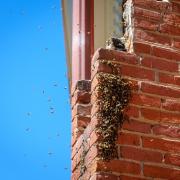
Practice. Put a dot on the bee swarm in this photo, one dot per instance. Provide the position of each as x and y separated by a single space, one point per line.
114 94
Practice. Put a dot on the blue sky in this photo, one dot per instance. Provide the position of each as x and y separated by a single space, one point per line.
34 97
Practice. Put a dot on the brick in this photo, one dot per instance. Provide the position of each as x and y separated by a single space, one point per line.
153 5
173 118
146 14
140 154
133 125
77 146
161 144
159 116
167 130
170 79
132 111
177 80
73 164
89 129
76 159
93 123
166 78
93 138
140 47
171 105
146 100
78 156
169 29
176 43
95 108
137 72
160 64
80 122
151 114
81 97
95 82
126 177
151 37
102 67
81 109
73 140
119 166
164 65
105 176
117 56
160 90
147 62
123 69
161 172
171 19
76 133
175 7
145 24
83 85
90 156
173 159
86 175
76 174
128 139
166 53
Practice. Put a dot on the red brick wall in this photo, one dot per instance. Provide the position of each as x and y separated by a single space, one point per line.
149 142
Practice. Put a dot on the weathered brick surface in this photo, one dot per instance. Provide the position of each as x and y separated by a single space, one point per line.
166 130
160 64
119 166
160 116
140 154
128 139
161 90
102 176
137 126
126 177
145 100
161 144
169 78
149 142
173 159
161 172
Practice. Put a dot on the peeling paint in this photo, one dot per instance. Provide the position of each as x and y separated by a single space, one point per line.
129 29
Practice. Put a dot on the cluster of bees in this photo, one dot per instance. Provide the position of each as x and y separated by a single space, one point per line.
114 96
